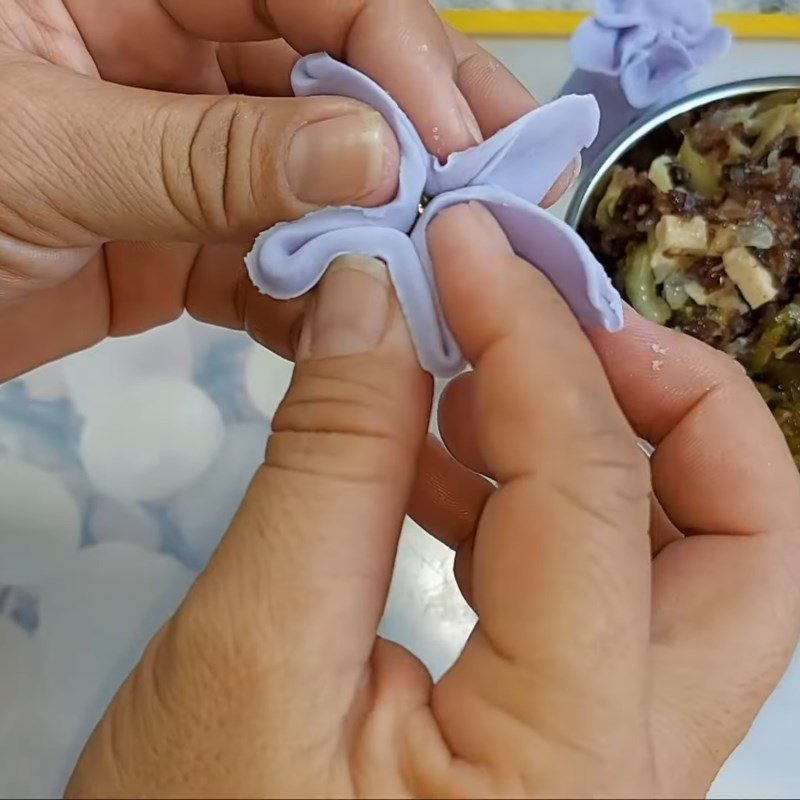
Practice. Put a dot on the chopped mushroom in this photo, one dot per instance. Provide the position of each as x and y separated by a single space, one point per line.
726 298
724 239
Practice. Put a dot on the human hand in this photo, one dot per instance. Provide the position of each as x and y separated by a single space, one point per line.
121 206
624 644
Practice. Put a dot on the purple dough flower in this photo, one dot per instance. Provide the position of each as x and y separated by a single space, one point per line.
653 46
510 173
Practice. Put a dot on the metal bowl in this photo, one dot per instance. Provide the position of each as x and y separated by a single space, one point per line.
647 137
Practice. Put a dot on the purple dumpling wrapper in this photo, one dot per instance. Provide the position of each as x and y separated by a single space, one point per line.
510 173
639 54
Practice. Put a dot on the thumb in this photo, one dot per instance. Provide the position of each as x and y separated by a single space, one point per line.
85 161
325 512
275 637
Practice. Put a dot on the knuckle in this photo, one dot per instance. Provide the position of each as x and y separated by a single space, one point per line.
322 399
717 368
224 160
726 368
574 407
584 409
207 158
343 426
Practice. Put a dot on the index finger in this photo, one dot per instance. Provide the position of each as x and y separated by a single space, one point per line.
561 562
721 464
726 605
401 44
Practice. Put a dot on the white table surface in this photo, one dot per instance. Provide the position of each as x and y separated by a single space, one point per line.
425 610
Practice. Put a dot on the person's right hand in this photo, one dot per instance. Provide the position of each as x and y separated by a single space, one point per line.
632 616
121 206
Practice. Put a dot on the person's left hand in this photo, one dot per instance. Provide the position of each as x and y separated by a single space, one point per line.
633 616
99 181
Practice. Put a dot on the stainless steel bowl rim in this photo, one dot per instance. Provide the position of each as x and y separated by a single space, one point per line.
634 134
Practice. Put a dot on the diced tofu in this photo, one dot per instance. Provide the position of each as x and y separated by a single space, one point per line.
659 174
725 298
663 265
751 276
687 236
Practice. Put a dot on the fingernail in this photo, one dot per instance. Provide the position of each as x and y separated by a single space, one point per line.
350 311
575 171
481 227
347 159
468 118
564 183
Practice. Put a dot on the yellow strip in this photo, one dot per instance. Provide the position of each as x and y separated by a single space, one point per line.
563 23
762 26
514 23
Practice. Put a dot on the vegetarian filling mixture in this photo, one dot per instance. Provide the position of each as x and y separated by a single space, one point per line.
707 240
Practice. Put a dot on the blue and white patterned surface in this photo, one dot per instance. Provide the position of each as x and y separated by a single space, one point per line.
120 469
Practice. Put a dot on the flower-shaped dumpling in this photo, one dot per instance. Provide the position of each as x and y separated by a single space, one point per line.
653 46
510 173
